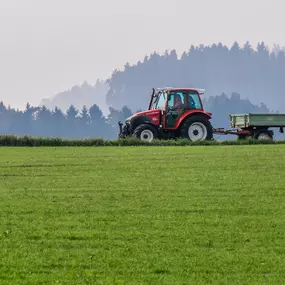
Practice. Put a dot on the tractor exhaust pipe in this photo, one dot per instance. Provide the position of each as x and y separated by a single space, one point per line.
151 98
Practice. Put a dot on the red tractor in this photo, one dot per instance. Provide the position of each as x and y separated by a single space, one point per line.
172 113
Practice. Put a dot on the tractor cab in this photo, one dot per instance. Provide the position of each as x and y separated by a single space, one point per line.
174 103
172 112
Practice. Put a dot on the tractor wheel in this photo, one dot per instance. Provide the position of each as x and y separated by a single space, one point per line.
196 128
263 135
145 132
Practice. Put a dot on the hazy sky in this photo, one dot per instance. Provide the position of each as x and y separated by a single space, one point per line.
48 46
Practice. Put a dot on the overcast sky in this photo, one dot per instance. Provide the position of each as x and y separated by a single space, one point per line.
48 46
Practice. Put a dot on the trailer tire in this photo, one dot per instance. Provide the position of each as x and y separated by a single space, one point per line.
263 135
196 128
145 132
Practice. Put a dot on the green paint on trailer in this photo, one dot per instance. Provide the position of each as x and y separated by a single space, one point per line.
257 120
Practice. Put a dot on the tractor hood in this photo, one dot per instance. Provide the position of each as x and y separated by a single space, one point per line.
149 113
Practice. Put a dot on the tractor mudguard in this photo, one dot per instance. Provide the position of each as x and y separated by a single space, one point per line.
136 121
190 114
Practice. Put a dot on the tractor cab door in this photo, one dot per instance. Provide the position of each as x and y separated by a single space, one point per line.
176 106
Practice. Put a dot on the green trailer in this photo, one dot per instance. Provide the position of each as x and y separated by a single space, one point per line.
245 121
254 125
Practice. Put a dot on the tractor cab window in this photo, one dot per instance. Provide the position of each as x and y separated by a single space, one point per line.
193 100
176 100
160 103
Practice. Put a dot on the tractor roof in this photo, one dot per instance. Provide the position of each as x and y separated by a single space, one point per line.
200 91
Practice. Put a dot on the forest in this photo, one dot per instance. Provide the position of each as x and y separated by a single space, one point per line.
91 123
236 79
256 74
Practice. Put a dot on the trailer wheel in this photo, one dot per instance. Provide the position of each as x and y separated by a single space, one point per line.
263 135
196 128
146 132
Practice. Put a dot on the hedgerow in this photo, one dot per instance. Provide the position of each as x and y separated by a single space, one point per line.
26 141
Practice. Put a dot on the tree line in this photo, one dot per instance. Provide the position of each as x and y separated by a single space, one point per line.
91 123
43 122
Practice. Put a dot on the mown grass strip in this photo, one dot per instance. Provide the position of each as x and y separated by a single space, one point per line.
27 141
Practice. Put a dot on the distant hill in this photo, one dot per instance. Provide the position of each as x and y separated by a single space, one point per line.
236 79
80 95
255 73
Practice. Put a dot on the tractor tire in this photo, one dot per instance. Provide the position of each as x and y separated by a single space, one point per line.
145 132
196 128
263 135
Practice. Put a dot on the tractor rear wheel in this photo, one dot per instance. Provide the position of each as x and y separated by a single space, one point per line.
146 132
196 128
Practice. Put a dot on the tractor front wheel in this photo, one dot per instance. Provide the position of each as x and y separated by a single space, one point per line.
196 128
146 132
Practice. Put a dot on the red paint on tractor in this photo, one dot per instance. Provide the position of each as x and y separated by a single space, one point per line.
189 113
154 115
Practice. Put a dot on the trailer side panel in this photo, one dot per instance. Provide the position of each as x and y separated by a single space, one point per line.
257 120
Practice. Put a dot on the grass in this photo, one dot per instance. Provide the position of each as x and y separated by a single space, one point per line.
140 215
15 141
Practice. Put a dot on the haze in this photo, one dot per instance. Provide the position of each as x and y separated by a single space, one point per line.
49 46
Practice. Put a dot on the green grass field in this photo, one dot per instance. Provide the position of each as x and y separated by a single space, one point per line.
142 215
